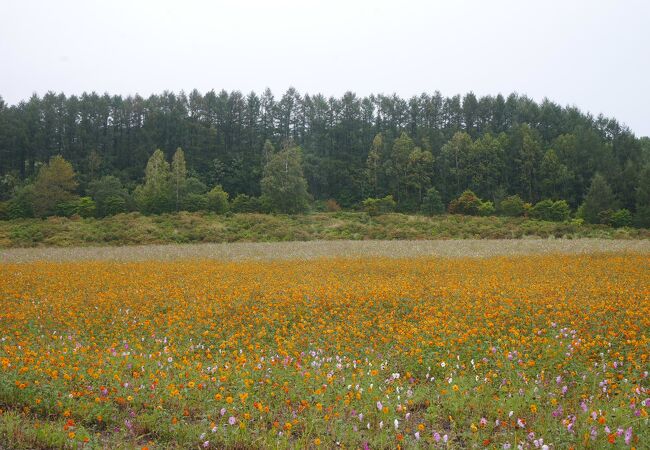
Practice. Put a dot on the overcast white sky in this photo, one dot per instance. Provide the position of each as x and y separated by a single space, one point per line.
594 54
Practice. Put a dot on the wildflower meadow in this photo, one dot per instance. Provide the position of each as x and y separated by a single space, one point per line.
531 352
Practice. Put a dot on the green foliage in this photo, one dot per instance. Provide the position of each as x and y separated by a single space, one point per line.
419 168
555 176
22 203
642 199
8 184
373 167
195 186
156 195
560 211
109 195
355 147
468 204
376 206
267 151
178 177
486 164
66 209
85 207
283 184
512 206
217 200
432 203
455 154
243 203
114 204
557 211
642 217
616 219
55 184
135 228
542 210
622 218
486 209
527 159
195 202
599 198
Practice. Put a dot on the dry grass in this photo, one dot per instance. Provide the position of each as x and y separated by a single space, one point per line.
323 249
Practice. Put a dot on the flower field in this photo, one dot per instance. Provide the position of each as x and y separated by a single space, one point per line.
504 352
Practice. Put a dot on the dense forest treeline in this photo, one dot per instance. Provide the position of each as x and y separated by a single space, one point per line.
352 147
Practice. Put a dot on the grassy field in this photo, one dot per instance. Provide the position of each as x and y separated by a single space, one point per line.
352 352
246 251
133 229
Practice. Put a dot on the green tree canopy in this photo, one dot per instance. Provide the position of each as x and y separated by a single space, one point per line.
456 153
373 163
432 203
178 177
55 184
284 185
642 217
109 195
155 196
599 198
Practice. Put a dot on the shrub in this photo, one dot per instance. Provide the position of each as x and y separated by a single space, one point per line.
65 209
114 204
156 195
557 211
4 210
55 184
432 203
109 196
560 211
542 210
486 209
376 206
332 205
151 201
21 205
217 200
642 217
599 199
196 202
283 185
468 203
83 206
622 218
512 206
243 203
605 217
195 186
618 218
